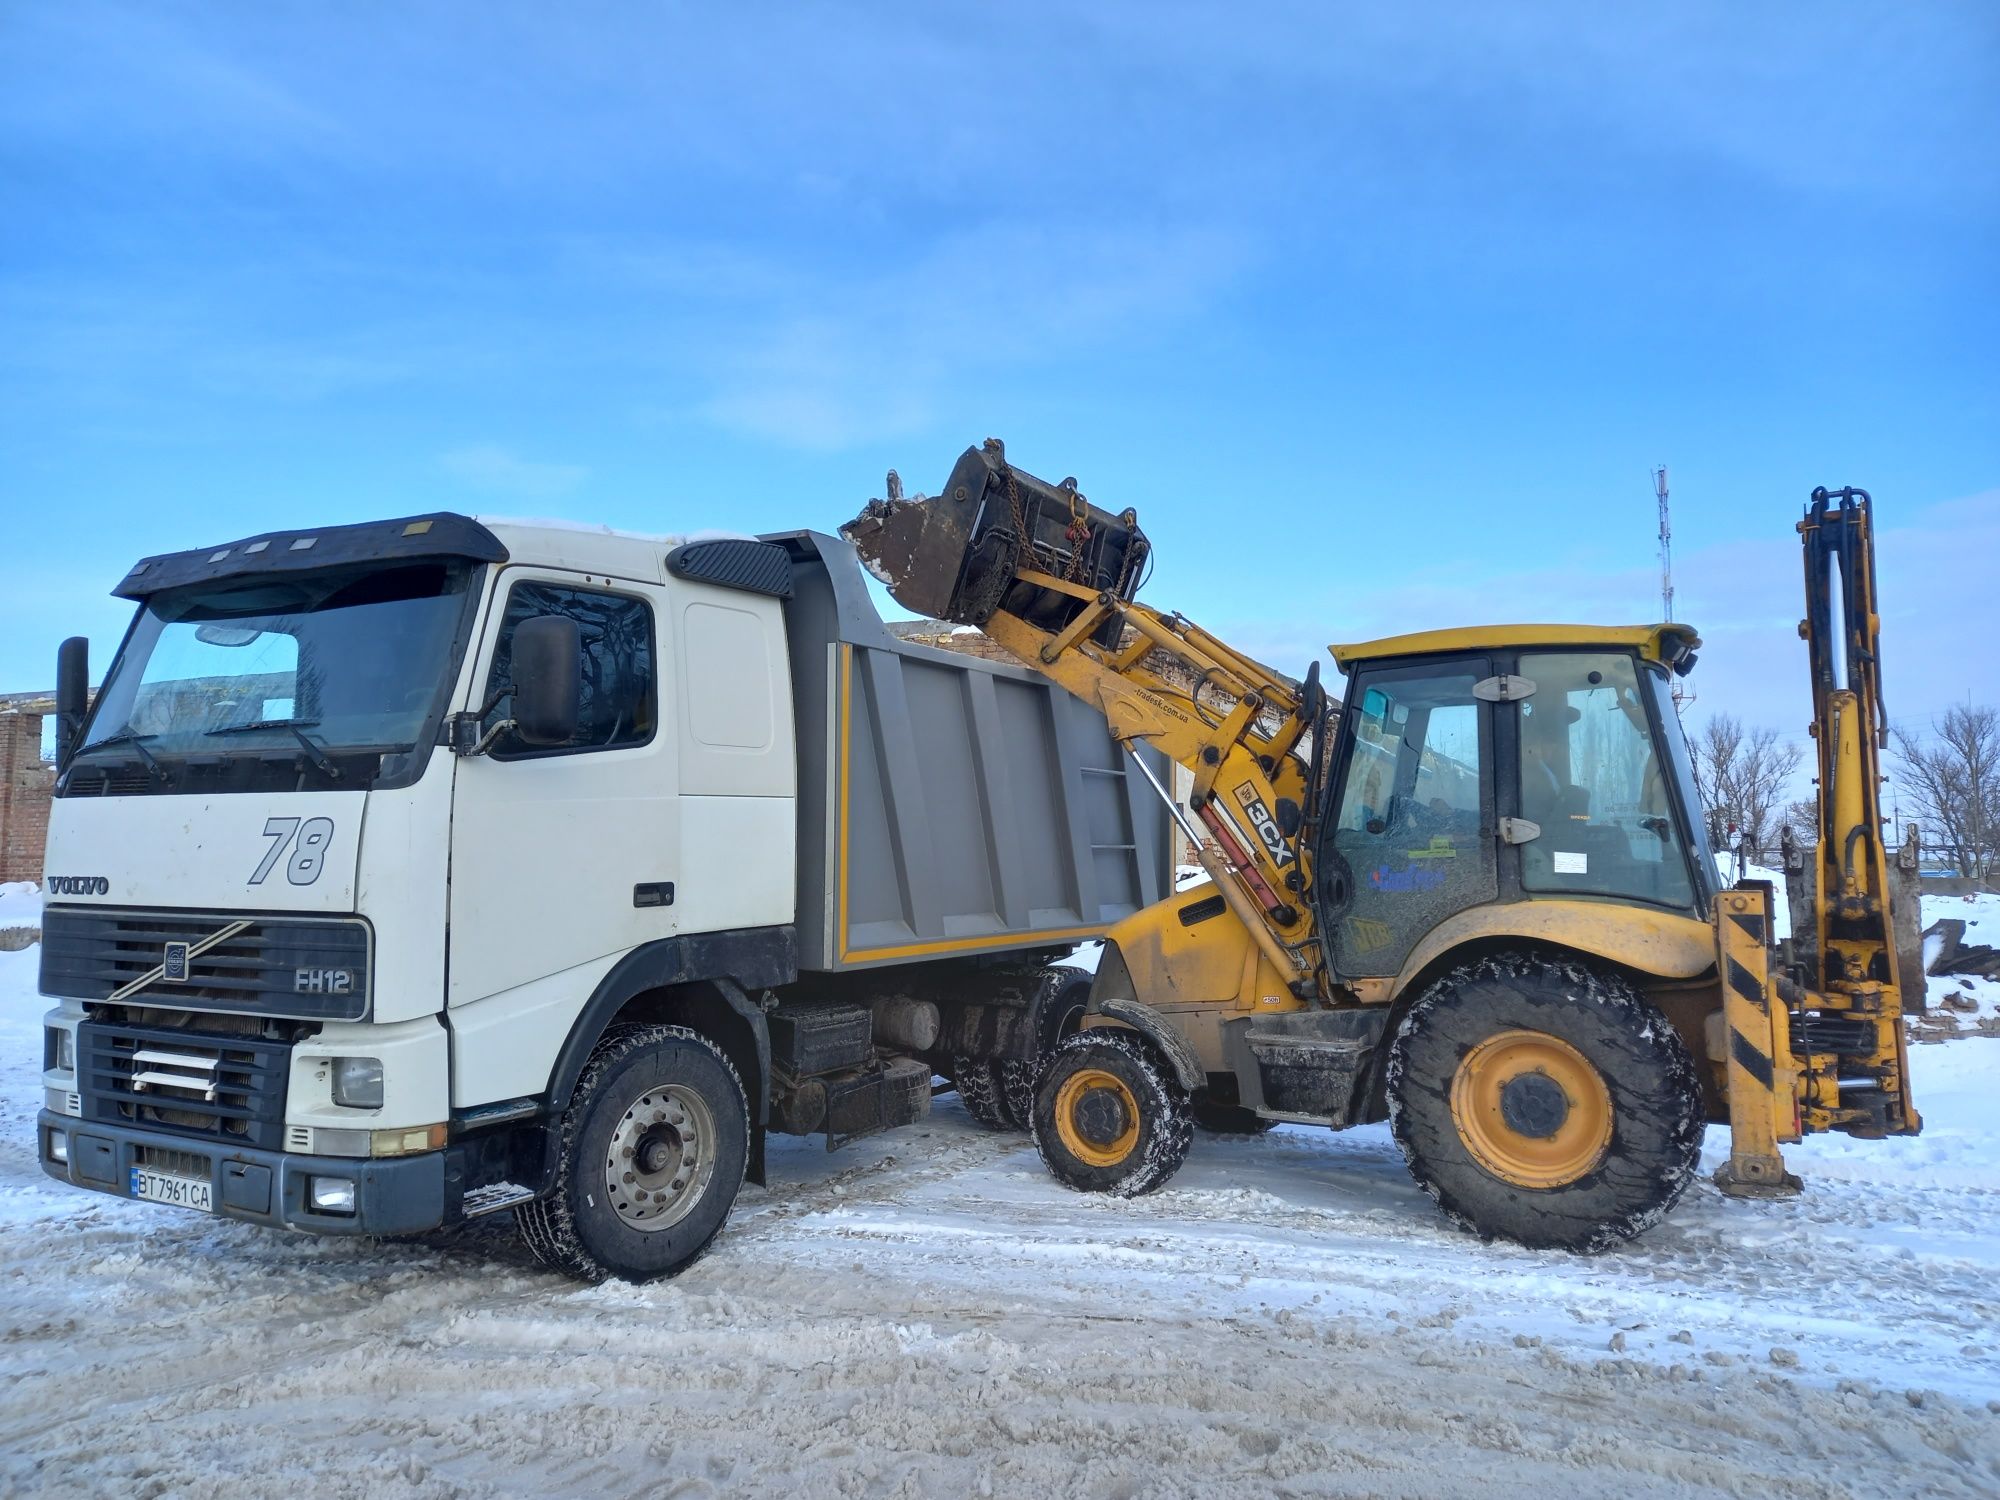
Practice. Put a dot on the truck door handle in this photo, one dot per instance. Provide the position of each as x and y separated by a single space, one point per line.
653 893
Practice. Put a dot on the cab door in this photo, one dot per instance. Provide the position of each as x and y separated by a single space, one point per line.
562 857
1411 841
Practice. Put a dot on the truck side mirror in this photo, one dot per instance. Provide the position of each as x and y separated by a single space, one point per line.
72 695
548 680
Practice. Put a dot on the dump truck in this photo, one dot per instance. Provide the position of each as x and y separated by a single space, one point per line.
408 872
1475 899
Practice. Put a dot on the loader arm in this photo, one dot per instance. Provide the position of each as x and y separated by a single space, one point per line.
1051 578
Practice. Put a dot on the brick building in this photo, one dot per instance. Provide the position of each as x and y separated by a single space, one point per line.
26 782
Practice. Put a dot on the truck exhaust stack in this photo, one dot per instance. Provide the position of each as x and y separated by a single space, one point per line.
963 554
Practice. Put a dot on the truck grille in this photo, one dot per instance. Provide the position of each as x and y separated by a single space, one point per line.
223 1088
302 967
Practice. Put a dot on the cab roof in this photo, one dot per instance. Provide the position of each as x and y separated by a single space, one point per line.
1667 643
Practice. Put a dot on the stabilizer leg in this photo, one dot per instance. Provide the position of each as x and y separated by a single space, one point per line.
1762 1108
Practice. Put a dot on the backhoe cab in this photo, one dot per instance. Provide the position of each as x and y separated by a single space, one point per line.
1475 899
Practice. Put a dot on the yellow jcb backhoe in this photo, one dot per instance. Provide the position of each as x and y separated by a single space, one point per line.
1475 899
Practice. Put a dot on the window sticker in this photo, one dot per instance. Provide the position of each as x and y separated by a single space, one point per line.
1571 864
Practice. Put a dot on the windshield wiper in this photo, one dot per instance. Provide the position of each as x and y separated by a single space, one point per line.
137 741
298 728
250 724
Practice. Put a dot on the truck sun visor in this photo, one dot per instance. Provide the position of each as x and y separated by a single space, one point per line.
440 534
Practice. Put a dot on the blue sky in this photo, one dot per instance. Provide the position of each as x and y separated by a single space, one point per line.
1379 315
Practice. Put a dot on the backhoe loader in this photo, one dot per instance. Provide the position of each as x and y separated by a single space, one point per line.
1474 899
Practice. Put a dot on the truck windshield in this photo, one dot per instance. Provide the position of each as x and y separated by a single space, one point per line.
336 671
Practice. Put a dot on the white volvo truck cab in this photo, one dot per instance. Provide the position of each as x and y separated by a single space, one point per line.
405 872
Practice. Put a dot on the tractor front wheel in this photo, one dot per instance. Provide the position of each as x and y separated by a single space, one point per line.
1110 1117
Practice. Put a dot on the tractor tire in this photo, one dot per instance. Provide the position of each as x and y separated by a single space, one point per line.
1110 1117
653 1149
982 1092
1229 1119
1542 1101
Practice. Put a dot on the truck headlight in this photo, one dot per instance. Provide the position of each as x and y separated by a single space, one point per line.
331 1195
59 1051
357 1082
59 1148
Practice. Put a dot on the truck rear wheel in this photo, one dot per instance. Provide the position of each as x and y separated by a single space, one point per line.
1545 1102
1109 1116
653 1149
983 1092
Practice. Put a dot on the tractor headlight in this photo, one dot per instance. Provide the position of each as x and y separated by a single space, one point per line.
357 1082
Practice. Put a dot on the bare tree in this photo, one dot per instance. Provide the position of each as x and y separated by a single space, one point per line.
1954 779
1743 775
1801 818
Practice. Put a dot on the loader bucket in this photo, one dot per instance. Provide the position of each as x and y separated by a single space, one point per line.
958 556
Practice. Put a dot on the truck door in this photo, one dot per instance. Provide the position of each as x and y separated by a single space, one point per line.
567 855
1411 841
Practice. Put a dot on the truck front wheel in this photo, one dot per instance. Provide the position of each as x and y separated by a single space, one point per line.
653 1149
1546 1102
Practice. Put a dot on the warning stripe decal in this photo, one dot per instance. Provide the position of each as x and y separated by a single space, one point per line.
1747 985
1748 1058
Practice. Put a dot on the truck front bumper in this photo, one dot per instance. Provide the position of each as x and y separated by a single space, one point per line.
401 1195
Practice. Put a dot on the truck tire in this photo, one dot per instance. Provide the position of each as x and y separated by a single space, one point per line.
983 1092
1017 1093
1546 1102
1001 1095
1062 1004
1110 1117
652 1153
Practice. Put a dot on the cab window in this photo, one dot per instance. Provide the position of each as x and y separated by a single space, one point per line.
1592 779
619 691
1408 840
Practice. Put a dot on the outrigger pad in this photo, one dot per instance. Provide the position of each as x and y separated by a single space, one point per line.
956 556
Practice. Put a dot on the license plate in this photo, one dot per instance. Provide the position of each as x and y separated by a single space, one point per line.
163 1187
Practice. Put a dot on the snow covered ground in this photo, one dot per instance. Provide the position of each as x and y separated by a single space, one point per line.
20 904
1965 1002
928 1313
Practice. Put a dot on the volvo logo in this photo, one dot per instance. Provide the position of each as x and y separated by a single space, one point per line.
79 885
174 966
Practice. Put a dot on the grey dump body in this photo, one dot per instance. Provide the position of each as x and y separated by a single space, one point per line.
949 805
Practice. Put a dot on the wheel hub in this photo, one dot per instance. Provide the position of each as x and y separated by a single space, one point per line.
1101 1116
1097 1117
1531 1109
661 1157
1533 1105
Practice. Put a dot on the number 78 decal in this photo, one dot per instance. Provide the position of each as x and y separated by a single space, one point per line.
307 840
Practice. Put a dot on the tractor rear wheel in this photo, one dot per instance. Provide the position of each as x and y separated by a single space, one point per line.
1546 1102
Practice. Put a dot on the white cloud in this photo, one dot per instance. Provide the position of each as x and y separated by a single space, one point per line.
497 470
